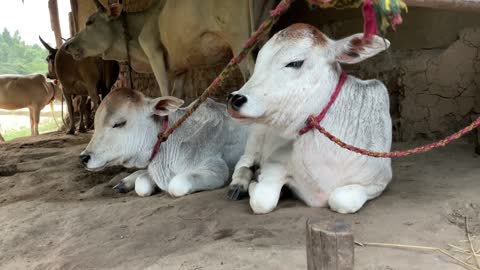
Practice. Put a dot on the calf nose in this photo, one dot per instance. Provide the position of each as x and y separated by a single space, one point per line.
237 101
84 159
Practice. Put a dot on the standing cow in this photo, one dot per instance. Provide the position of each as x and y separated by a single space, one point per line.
199 155
91 76
295 75
28 91
171 36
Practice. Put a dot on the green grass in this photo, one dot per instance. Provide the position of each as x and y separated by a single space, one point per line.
23 132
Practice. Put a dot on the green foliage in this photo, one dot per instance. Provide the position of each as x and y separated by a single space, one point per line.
16 57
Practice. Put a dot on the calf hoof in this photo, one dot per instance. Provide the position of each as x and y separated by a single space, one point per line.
477 150
236 193
121 188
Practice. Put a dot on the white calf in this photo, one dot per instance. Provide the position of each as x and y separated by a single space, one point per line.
199 155
295 75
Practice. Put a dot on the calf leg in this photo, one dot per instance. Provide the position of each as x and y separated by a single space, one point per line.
211 174
348 199
128 183
71 128
144 185
264 195
83 114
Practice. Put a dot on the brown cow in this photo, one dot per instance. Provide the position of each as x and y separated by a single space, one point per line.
88 77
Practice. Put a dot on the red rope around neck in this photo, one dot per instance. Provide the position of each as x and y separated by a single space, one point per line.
159 139
333 97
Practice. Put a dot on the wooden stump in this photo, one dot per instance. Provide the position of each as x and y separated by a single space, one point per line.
329 246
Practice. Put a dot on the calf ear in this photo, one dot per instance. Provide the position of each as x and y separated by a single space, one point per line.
165 105
353 49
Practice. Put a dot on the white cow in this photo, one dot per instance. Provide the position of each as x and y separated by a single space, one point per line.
28 91
295 75
171 36
200 155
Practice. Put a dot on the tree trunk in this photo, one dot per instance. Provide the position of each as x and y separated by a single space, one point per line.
460 5
55 21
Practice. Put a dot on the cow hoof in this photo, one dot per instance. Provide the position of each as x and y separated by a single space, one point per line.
120 188
82 130
71 132
236 193
477 150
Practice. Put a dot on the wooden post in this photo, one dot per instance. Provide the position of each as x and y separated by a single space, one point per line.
74 17
55 21
329 246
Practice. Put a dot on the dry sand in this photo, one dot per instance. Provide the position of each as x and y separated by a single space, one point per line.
56 215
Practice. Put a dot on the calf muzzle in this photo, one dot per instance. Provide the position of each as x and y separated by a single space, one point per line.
84 159
235 102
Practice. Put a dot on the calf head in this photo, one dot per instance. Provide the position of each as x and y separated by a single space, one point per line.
52 52
99 35
126 128
295 73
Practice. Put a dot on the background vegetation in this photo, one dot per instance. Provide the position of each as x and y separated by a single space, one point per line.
16 57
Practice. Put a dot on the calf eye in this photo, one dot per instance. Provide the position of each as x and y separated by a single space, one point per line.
120 124
295 64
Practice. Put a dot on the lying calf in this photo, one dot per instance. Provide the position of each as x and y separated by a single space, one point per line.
197 156
296 73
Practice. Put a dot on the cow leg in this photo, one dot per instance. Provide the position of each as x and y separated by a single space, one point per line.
348 199
35 111
178 84
128 183
264 195
83 114
32 131
71 128
248 64
211 174
149 40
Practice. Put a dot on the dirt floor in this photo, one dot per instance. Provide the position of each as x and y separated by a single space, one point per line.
56 215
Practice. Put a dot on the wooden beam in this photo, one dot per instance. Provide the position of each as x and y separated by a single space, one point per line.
55 21
329 246
74 17
459 5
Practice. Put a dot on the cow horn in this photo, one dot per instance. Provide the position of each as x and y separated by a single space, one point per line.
45 44
99 5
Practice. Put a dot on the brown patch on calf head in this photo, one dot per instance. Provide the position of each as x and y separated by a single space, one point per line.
302 30
121 96
117 99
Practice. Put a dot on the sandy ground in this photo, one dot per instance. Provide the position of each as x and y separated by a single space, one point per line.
18 119
55 215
